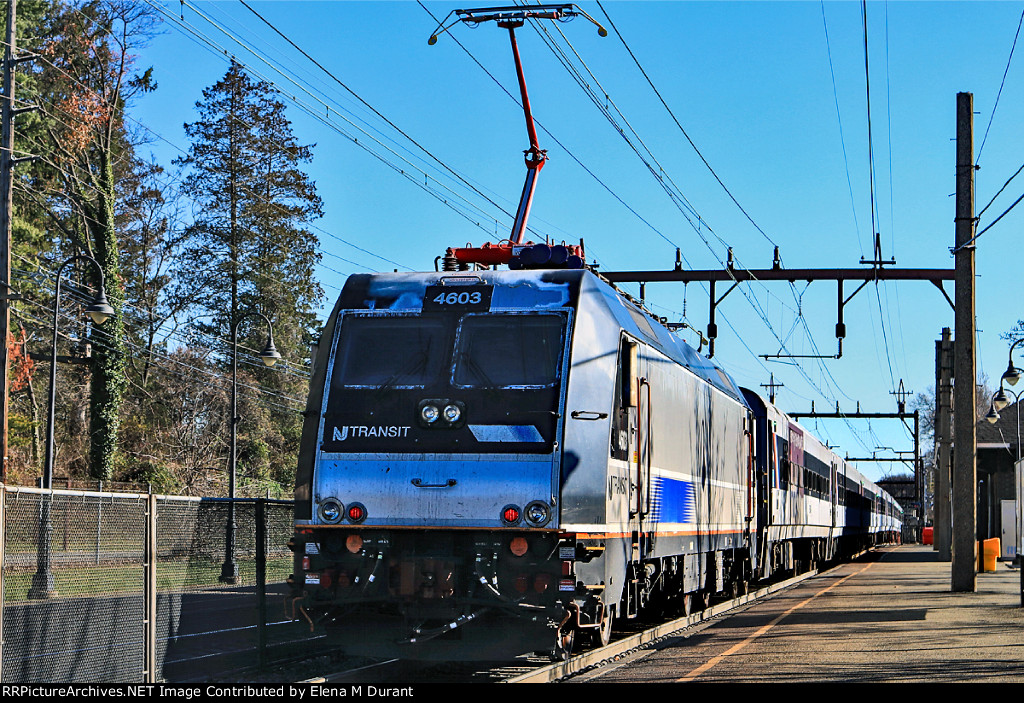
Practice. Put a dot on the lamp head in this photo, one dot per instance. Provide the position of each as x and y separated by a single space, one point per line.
1012 374
100 309
993 415
269 356
999 400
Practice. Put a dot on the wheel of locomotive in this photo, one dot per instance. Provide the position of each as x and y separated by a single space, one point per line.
602 635
686 606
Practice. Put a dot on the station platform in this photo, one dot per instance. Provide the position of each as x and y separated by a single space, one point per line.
889 617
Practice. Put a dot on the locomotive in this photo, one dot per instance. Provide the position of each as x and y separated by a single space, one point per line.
499 462
502 462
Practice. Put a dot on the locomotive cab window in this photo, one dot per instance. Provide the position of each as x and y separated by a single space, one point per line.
384 351
509 351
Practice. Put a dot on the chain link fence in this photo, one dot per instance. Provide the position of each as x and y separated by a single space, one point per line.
134 587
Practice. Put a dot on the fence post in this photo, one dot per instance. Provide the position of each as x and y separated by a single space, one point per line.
99 519
261 578
150 625
3 554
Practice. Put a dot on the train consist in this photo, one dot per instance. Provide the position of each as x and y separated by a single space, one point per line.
500 462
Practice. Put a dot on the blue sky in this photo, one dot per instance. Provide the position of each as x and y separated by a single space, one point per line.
777 111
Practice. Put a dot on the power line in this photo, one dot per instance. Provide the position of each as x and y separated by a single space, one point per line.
1001 84
680 126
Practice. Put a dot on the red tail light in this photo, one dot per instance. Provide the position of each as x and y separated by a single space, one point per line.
542 583
522 582
356 512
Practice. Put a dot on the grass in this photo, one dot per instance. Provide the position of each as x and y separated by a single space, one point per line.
128 577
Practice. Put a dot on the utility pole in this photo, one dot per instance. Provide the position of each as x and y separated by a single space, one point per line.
6 166
771 386
943 441
965 435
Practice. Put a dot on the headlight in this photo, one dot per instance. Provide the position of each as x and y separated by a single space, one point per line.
537 513
331 510
440 413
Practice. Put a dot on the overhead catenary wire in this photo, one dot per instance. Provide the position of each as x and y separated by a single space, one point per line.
172 193
999 92
402 165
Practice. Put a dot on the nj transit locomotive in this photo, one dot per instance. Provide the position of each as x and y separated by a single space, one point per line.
496 463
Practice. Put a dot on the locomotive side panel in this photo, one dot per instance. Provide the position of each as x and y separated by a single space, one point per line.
673 463
699 481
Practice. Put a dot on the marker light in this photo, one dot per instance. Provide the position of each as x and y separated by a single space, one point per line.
510 514
429 413
356 512
519 546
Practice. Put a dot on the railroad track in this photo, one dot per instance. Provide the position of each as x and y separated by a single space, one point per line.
625 641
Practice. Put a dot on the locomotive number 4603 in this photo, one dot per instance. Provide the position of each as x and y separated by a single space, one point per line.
461 297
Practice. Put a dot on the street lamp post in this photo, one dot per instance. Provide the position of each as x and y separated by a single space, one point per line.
1012 373
99 310
269 356
1000 401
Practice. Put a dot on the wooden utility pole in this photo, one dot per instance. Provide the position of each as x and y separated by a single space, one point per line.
943 441
6 167
965 431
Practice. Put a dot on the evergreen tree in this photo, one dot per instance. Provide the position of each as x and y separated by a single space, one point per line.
250 249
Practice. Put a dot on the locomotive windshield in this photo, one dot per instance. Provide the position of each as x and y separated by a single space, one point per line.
501 373
508 351
397 352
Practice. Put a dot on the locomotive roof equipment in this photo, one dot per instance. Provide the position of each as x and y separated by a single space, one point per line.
511 18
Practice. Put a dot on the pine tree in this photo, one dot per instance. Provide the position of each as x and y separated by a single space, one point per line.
250 249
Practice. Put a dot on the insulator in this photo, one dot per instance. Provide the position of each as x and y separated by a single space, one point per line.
449 262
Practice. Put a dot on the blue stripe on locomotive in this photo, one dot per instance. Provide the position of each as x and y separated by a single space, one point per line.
673 500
